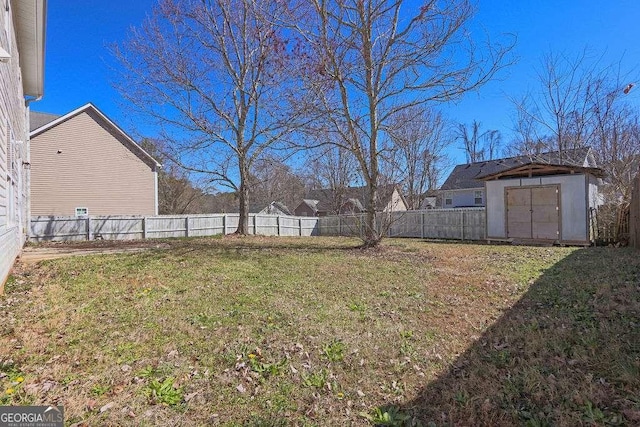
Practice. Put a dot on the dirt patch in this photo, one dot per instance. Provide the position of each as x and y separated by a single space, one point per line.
54 250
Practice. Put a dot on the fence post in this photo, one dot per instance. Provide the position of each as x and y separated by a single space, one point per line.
462 224
224 224
144 227
186 226
278 223
300 226
255 225
422 225
89 228
339 226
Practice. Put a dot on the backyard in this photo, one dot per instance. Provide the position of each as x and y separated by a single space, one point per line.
315 331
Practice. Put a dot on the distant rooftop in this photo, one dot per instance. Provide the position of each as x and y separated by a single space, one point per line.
466 175
37 119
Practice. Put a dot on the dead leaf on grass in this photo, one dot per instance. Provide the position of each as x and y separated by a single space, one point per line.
106 407
190 396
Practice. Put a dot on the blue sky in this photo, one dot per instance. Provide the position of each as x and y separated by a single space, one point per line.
79 67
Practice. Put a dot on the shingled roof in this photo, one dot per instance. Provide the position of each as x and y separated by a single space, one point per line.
467 176
38 119
325 200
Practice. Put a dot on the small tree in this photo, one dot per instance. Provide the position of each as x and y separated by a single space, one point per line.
212 75
366 61
420 138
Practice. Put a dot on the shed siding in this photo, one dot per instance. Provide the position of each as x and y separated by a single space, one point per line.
573 205
80 163
13 118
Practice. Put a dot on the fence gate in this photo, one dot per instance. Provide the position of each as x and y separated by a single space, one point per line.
533 212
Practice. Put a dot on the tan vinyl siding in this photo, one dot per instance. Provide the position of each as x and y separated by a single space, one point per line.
82 163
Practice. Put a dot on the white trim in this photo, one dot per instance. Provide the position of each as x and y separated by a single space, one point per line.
30 19
155 184
90 106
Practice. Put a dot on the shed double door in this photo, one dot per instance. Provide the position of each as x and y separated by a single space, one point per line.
533 212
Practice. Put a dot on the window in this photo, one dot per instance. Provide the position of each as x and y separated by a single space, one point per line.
448 199
478 197
82 211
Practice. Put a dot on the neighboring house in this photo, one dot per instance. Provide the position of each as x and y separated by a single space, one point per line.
350 200
21 81
464 188
84 164
275 208
550 202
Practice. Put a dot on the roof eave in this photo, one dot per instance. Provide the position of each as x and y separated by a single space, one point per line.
517 171
30 18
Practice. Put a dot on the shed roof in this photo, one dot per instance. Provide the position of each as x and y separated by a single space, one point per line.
468 176
541 169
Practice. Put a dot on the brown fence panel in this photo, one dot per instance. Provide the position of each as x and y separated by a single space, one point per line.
634 214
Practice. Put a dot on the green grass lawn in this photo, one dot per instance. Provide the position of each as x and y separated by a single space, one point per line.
313 331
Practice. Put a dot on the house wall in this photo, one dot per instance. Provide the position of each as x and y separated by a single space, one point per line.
463 198
574 204
303 210
80 163
14 191
396 204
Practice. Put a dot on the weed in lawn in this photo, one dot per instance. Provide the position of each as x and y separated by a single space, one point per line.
592 414
461 397
358 307
263 368
387 416
317 379
203 320
334 351
99 390
164 393
147 372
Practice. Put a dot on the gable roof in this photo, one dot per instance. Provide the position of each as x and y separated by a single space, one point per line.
324 200
48 121
468 176
274 208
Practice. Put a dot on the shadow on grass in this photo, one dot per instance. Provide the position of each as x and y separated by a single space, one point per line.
568 353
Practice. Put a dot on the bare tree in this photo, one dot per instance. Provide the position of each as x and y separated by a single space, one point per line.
333 169
616 144
211 73
176 193
477 145
274 181
561 112
366 61
420 139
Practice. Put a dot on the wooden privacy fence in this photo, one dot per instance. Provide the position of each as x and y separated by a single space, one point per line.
634 214
457 224
59 228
